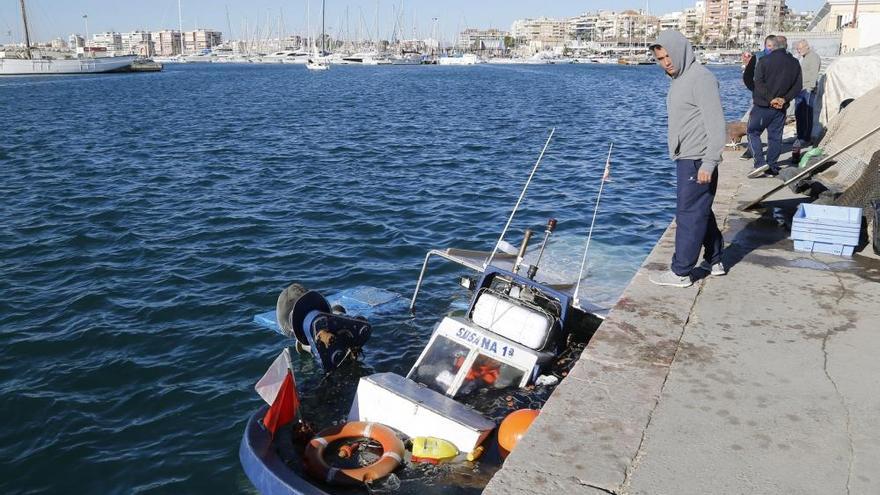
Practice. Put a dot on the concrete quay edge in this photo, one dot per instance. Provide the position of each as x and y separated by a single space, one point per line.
762 381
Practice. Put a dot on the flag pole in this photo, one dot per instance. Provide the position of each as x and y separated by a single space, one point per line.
605 176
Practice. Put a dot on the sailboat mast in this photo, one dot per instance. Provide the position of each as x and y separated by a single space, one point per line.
323 36
27 32
180 27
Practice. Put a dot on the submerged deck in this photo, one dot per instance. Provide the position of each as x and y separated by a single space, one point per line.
763 381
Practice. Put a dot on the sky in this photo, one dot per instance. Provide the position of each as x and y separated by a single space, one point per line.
59 18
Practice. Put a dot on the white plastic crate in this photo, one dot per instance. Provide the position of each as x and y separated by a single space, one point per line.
826 229
823 247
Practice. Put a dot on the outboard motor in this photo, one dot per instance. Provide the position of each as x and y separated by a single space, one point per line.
327 332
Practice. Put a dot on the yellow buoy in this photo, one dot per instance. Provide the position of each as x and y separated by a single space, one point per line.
432 450
513 428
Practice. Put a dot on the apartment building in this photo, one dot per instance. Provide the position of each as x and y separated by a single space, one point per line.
166 43
201 39
137 42
108 41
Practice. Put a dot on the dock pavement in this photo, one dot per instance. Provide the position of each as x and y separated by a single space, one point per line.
763 381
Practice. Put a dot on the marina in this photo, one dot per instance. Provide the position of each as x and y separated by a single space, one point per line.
296 263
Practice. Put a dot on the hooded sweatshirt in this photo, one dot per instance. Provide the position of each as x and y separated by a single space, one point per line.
697 129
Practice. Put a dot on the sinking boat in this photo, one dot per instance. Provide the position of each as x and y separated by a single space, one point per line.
518 321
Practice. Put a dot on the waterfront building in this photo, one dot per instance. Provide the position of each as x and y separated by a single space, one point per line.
109 41
742 21
796 21
687 22
166 43
620 27
583 27
715 19
540 34
608 26
692 21
201 39
137 42
672 20
58 44
486 41
856 22
836 15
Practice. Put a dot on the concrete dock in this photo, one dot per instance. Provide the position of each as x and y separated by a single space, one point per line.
763 381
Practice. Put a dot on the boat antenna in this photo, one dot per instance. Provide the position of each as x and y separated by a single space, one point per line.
521 196
605 176
27 32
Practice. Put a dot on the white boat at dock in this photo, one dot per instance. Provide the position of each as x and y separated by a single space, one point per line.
466 59
48 66
29 63
319 62
364 59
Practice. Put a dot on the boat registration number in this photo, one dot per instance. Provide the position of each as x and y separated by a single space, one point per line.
487 344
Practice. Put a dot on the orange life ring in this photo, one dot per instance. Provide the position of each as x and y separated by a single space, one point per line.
392 454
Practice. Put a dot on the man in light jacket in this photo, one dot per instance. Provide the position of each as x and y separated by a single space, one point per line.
803 111
697 133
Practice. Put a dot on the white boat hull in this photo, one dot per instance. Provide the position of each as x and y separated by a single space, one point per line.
467 59
20 67
318 66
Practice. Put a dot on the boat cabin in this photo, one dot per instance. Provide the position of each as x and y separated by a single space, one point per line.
513 327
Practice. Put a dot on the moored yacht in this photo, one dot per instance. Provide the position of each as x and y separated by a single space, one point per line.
466 59
29 63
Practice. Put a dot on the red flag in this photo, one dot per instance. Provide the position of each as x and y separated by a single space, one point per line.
283 409
278 388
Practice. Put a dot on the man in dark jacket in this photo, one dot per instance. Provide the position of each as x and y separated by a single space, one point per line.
749 70
777 82
748 76
696 136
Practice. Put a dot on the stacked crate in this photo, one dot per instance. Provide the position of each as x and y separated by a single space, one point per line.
826 229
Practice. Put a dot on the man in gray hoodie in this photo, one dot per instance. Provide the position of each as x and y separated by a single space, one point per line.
697 134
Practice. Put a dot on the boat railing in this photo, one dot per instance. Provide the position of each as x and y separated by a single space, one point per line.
464 257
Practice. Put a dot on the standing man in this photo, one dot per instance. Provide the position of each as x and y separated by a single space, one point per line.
777 82
696 138
803 111
750 60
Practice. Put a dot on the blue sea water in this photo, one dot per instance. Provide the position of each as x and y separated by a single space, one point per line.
145 219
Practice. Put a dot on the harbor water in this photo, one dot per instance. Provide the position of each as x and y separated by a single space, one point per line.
146 218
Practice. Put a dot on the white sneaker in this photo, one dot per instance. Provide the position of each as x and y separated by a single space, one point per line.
716 270
669 278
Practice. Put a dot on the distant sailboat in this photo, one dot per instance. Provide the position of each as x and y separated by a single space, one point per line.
316 61
27 64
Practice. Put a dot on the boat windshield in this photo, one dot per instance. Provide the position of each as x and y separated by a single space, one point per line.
440 364
490 373
441 369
